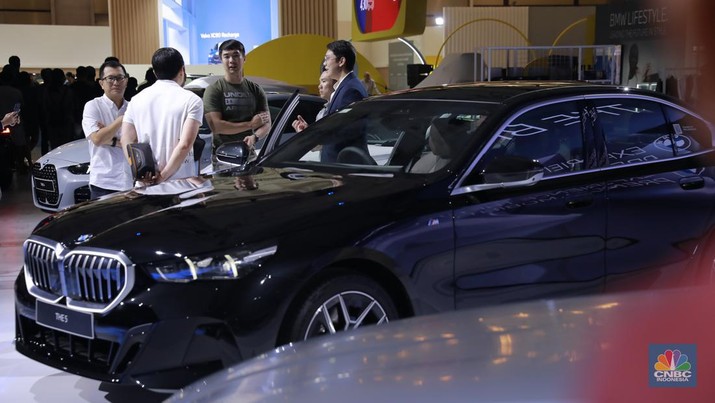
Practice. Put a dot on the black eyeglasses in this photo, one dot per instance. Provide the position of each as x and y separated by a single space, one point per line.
114 79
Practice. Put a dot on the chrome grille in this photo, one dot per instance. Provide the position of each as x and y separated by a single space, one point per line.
41 264
45 184
91 279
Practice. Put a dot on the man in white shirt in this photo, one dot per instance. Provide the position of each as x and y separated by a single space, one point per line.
167 117
101 123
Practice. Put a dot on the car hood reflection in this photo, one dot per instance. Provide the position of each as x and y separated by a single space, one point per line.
212 208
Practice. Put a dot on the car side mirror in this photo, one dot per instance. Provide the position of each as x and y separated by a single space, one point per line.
511 171
234 153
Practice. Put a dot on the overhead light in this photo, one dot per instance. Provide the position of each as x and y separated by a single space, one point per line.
439 20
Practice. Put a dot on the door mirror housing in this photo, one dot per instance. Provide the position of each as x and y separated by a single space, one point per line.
235 153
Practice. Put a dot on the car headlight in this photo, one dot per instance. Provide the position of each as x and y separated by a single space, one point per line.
79 169
230 265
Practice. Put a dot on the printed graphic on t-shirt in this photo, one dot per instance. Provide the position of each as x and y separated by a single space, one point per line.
237 100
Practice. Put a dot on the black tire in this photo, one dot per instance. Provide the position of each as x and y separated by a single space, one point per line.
351 301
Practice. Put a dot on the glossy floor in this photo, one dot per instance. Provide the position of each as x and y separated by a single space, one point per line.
21 379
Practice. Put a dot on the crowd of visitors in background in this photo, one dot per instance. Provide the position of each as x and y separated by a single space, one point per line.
62 107
52 105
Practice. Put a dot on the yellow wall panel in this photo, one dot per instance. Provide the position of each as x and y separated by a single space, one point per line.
135 29
317 17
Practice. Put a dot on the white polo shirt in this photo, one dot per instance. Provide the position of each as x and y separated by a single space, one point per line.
158 114
108 167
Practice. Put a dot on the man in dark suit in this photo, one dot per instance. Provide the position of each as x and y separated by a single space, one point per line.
339 63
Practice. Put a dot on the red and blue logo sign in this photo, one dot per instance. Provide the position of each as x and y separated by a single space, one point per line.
376 15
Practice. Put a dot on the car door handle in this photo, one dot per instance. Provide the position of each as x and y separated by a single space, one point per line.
579 203
692 183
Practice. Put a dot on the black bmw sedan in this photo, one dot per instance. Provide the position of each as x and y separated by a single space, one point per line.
439 199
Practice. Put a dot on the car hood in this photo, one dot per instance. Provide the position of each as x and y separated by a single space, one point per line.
213 213
73 153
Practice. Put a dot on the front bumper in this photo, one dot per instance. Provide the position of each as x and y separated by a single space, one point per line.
54 189
145 340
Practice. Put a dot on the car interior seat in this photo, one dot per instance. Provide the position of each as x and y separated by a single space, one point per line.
444 137
356 156
408 148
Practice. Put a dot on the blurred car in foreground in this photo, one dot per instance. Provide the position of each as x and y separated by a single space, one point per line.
471 195
582 349
60 178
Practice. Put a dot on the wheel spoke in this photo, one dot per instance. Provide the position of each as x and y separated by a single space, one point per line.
364 314
344 310
326 317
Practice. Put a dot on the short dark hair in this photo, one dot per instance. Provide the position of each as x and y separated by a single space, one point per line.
167 63
91 72
343 48
113 64
14 61
232 44
108 58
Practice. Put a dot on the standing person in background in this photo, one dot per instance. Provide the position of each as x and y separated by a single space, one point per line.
236 108
92 78
82 92
69 78
13 63
101 121
339 63
167 117
149 79
325 89
9 98
30 113
131 88
57 110
370 85
46 75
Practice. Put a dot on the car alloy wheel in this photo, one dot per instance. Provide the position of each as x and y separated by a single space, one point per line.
343 303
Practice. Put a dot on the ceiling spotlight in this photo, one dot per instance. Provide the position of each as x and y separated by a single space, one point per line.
439 20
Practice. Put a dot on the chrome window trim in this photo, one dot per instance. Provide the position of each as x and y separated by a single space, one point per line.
459 189
666 102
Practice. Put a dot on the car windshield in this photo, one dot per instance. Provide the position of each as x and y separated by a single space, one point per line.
386 135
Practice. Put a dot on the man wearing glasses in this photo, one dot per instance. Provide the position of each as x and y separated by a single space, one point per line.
339 63
235 107
109 171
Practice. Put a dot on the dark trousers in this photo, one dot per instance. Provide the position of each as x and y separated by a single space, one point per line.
95 192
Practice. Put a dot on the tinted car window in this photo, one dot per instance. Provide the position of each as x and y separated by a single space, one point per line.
635 130
395 134
550 134
690 134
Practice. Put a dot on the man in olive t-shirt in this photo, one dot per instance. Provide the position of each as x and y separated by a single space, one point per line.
235 107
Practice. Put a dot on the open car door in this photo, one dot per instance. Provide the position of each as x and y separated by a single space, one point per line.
282 129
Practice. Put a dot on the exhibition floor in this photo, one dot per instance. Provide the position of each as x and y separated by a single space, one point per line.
21 379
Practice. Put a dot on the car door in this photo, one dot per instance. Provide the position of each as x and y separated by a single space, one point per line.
542 240
281 127
659 193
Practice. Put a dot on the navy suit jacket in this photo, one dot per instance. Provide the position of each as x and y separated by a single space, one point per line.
350 90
